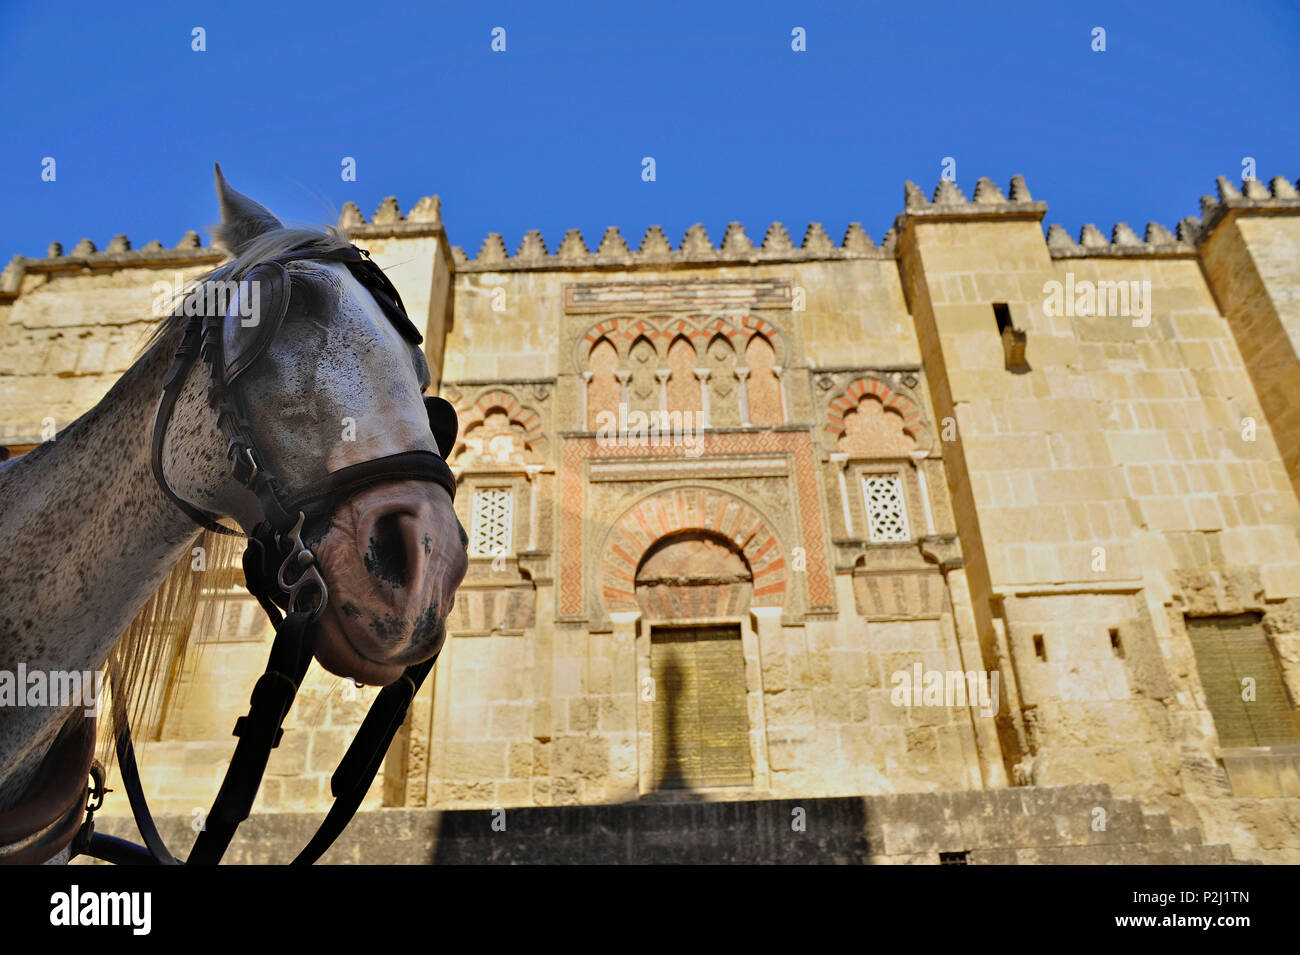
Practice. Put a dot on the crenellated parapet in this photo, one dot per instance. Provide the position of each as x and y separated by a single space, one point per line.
695 248
949 203
1157 241
425 218
1279 197
117 254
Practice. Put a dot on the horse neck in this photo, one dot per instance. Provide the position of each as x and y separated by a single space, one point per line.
86 537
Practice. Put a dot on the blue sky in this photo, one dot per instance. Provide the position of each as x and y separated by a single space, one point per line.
550 134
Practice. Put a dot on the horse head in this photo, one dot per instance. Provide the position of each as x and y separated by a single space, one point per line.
329 380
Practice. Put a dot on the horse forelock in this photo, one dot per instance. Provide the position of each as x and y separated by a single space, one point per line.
268 245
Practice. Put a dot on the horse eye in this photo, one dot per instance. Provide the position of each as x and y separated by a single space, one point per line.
308 301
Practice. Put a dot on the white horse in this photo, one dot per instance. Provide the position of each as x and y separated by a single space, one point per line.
88 538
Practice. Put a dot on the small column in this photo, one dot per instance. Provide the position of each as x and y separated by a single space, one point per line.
663 376
586 389
780 390
743 375
842 459
623 377
766 622
918 460
533 471
703 375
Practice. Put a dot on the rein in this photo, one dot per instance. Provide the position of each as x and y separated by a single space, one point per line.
280 571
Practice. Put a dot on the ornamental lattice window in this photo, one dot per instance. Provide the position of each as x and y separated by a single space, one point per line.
490 526
886 510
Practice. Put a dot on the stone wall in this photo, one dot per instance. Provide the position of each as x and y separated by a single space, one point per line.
1073 483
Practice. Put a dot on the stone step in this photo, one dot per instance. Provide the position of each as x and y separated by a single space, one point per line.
1158 827
1023 825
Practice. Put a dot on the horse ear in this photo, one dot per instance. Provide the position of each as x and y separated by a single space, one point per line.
442 422
242 219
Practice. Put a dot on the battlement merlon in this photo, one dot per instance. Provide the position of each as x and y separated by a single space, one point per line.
948 204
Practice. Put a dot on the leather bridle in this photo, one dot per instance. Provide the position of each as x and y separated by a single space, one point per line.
279 569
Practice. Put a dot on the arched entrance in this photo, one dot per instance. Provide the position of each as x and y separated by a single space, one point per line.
691 563
691 585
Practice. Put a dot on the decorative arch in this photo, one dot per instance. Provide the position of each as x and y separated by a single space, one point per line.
660 330
522 428
643 360
683 388
868 389
674 510
764 387
693 575
603 390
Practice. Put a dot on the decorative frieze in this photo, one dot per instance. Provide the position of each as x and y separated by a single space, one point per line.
623 297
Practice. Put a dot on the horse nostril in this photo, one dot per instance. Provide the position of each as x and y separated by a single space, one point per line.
386 556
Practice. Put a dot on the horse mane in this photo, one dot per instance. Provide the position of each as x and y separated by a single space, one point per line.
145 667
147 663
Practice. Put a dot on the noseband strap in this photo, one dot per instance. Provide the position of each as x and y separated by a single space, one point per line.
320 497
277 566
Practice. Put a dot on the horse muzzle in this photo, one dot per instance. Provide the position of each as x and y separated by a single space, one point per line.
392 557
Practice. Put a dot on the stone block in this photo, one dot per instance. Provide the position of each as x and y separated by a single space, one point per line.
325 750
790 708
475 760
832 706
581 757
510 720
1281 580
519 759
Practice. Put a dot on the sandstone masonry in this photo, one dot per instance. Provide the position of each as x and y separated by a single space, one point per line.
722 496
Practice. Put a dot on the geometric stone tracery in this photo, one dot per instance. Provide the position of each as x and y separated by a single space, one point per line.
886 509
499 431
492 521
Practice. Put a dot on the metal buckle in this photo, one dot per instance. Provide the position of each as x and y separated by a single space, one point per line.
240 455
97 790
301 557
